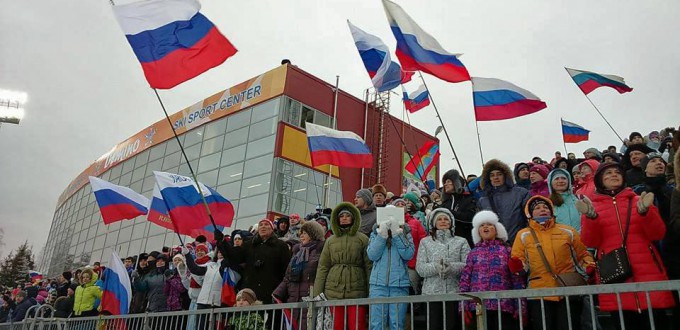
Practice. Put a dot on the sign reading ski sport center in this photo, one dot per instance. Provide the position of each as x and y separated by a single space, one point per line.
248 93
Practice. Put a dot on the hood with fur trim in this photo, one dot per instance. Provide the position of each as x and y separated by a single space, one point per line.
527 211
335 219
495 164
483 217
314 230
432 216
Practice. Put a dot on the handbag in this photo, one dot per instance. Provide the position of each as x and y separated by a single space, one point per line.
564 279
614 266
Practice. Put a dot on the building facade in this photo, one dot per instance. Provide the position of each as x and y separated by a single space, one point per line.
249 143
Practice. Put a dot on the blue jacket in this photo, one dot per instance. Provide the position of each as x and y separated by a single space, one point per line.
389 260
566 214
508 203
20 311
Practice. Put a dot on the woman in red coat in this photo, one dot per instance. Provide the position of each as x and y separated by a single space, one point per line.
600 229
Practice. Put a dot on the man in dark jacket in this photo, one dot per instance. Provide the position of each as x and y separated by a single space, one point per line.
266 258
139 299
635 175
503 197
364 202
23 304
460 202
521 173
64 282
282 227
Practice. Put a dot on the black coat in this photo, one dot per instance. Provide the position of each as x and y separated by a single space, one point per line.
20 311
463 206
672 240
63 307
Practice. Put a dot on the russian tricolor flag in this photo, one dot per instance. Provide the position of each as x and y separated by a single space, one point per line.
116 202
185 206
417 50
158 212
172 40
339 148
35 275
589 81
572 133
116 291
417 100
497 99
384 73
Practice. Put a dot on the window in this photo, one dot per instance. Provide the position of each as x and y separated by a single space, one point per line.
292 112
172 145
115 172
307 116
139 230
230 173
253 205
209 178
233 155
137 186
193 152
193 136
156 152
212 145
155 243
142 158
259 165
111 239
261 147
149 183
153 166
323 119
235 138
139 173
125 179
238 120
128 165
171 161
215 128
266 110
230 190
264 128
209 162
255 186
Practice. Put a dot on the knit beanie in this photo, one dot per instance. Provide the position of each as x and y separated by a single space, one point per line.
541 170
432 217
597 153
247 295
266 222
413 198
534 201
484 217
645 160
366 195
67 275
202 247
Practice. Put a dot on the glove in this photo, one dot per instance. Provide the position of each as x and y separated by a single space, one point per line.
515 265
646 199
439 267
383 230
447 270
218 235
590 270
398 232
185 251
394 228
468 317
585 207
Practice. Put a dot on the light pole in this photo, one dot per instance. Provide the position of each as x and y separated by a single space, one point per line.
11 106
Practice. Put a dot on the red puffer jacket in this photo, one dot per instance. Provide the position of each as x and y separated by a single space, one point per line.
604 234
587 183
418 233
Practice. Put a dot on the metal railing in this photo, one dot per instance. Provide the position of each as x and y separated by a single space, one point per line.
411 312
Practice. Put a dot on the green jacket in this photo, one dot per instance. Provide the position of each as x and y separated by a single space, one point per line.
86 295
344 267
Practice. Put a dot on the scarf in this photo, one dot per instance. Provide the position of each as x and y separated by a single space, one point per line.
299 260
200 261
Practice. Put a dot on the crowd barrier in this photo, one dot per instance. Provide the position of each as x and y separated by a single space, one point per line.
321 314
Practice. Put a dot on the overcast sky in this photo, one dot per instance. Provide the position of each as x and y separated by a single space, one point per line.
87 91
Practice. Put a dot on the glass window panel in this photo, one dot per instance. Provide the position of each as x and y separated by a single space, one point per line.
135 248
253 205
184 168
111 239
142 158
125 179
124 235
233 155
266 110
193 152
262 129
297 206
137 186
127 166
106 175
261 147
299 189
238 120
88 246
157 151
307 116
139 229
247 222
193 136
171 161
98 242
212 145
230 190
215 128
171 239
282 203
258 165
293 111
235 138
115 171
172 145
209 162
149 182
231 173
155 165
209 178
256 185
155 230
322 119
155 243
96 256
139 173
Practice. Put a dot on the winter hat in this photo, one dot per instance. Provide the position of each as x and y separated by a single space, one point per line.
435 213
67 275
296 217
645 160
247 295
483 217
614 156
541 170
535 201
643 148
436 191
559 174
178 256
379 189
458 181
597 153
413 198
202 247
314 230
633 135
599 186
238 236
394 202
366 195
389 195
344 211
267 222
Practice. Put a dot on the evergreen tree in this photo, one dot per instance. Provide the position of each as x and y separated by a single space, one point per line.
14 269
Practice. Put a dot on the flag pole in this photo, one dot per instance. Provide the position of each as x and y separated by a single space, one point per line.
566 153
193 175
363 170
598 111
443 126
420 157
403 143
479 141
335 126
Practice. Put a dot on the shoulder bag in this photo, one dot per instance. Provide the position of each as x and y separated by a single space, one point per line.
564 279
614 267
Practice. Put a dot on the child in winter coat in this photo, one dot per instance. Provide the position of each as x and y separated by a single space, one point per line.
441 258
390 248
246 320
294 230
486 269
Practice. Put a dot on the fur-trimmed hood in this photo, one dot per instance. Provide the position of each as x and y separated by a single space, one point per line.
495 164
335 219
314 230
483 217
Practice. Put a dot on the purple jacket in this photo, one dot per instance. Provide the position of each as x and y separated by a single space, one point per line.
540 188
173 290
486 269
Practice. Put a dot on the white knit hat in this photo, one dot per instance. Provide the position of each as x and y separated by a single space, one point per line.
483 217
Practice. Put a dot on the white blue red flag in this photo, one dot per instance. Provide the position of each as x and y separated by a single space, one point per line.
172 40
117 202
185 205
573 133
158 211
589 81
419 51
288 319
417 100
384 73
35 275
339 148
116 290
497 99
